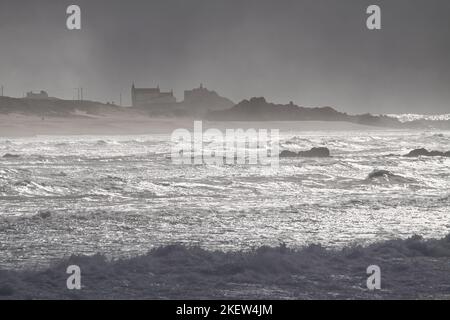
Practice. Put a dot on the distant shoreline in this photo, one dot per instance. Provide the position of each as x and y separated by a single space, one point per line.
28 117
17 126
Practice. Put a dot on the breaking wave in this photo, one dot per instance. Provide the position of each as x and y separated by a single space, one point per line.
313 272
408 117
385 176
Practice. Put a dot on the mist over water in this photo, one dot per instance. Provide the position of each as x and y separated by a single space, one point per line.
312 52
121 195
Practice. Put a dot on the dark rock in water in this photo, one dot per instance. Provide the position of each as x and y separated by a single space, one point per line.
287 154
315 152
379 174
44 214
11 156
417 153
425 152
436 154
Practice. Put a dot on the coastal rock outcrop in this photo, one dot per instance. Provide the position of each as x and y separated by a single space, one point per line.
11 156
313 153
425 152
288 154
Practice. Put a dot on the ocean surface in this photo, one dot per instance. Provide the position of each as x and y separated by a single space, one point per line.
121 195
407 117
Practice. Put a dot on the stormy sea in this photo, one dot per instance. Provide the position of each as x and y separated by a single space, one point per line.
140 226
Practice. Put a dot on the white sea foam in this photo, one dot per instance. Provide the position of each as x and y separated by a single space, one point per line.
408 117
123 196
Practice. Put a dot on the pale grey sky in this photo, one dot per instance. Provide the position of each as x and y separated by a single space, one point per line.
313 52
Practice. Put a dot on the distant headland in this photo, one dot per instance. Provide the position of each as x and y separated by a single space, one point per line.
199 103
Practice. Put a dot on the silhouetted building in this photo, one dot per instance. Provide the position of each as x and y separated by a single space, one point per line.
195 94
203 99
148 97
41 95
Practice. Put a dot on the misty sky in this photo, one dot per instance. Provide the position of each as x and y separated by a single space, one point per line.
313 52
